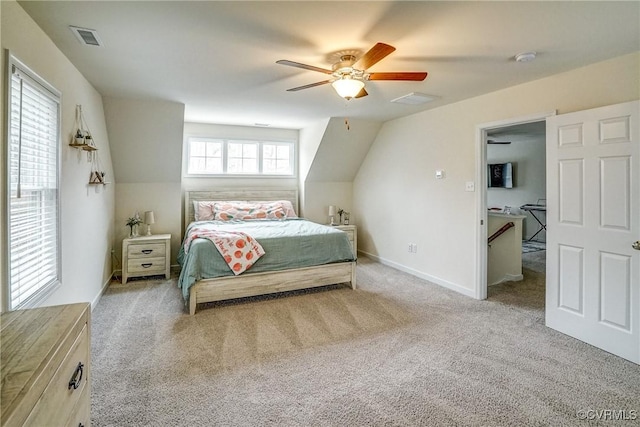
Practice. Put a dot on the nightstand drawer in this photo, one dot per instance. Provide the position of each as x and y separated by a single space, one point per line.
148 266
150 250
350 234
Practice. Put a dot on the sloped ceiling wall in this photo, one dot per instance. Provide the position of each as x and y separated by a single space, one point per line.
342 150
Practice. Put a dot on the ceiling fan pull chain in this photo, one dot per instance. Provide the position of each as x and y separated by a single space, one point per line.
346 123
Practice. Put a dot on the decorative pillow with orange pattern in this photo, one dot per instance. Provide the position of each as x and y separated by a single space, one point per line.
286 205
227 211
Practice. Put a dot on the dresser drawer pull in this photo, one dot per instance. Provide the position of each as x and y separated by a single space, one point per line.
80 425
147 264
146 251
77 377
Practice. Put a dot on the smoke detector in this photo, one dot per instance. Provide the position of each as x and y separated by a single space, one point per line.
525 57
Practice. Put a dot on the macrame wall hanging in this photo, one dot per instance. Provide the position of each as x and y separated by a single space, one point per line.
83 140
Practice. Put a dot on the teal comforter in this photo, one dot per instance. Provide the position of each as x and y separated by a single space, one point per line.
291 243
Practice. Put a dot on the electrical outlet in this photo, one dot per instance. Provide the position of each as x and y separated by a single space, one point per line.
410 248
415 248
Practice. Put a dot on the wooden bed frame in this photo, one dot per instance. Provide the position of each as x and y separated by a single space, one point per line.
245 285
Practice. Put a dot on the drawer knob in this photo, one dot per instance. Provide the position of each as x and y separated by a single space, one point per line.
147 264
147 251
74 382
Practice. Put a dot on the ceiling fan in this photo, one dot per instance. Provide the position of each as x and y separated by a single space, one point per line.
348 76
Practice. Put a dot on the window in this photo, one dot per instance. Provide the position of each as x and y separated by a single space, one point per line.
242 157
207 156
276 159
33 193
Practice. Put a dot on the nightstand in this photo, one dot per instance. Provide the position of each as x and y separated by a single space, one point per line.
352 232
146 256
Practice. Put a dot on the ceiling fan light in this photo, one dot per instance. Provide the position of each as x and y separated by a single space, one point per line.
348 87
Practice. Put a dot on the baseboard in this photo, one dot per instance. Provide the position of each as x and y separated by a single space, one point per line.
508 278
433 279
105 285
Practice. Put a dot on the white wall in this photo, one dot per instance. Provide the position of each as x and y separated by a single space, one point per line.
146 147
331 155
320 195
310 140
398 200
86 211
529 163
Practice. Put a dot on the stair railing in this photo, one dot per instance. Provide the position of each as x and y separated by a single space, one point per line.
500 232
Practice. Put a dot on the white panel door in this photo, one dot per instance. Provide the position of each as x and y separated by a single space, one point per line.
593 224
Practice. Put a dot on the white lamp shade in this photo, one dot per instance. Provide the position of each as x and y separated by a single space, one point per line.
332 210
149 218
348 87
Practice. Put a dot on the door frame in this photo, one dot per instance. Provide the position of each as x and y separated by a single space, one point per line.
481 192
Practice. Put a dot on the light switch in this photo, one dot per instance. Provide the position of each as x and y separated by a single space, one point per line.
470 186
439 174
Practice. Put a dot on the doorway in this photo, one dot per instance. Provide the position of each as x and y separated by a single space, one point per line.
523 148
520 144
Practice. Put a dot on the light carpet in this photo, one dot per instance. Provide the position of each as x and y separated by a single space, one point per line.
536 261
398 351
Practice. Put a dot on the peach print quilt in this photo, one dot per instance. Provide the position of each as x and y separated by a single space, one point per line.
239 250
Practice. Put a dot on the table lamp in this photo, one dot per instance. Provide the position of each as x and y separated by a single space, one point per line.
332 214
149 219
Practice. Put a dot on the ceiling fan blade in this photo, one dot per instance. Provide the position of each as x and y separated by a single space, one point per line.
295 89
375 54
417 76
361 93
303 66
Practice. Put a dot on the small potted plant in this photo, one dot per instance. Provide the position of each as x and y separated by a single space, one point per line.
88 139
132 222
79 137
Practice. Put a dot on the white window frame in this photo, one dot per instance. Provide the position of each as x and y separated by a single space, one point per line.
225 142
53 278
242 143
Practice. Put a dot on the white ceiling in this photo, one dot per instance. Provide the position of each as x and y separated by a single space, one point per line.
218 58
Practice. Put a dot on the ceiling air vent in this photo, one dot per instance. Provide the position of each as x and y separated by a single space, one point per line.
414 98
86 36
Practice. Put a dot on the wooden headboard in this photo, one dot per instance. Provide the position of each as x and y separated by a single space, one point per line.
237 194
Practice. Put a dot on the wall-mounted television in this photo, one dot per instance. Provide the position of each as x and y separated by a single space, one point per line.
500 175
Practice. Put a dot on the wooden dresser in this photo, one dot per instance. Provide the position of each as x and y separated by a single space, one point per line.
46 375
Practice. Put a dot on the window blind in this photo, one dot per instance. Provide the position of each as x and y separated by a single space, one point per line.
34 254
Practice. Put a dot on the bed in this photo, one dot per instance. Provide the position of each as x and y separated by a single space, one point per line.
201 281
